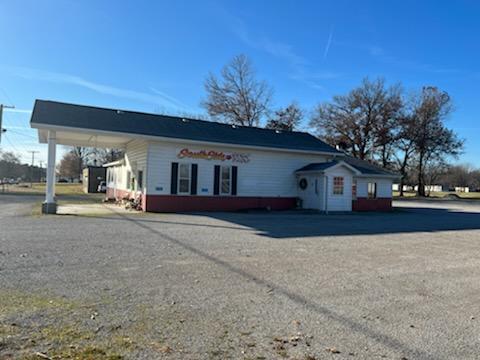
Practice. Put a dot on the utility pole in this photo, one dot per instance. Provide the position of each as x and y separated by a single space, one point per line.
31 172
41 171
2 130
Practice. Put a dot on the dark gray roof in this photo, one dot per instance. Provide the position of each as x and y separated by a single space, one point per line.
130 122
363 166
367 168
318 166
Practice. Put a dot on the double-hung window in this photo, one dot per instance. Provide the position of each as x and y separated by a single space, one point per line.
184 178
225 180
338 185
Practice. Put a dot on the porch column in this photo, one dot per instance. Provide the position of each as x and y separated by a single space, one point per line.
50 206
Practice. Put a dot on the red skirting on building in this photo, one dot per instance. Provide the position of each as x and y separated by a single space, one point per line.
365 204
179 203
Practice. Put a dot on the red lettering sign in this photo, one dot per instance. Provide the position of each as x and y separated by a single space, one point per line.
214 155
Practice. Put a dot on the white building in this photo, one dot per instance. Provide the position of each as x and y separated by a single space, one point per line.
177 164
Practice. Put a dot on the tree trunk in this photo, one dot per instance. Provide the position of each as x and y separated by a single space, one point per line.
421 184
403 172
384 156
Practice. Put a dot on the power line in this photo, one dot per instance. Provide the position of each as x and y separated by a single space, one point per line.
8 97
17 144
22 134
11 144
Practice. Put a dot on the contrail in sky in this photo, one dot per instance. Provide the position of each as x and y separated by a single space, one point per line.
329 42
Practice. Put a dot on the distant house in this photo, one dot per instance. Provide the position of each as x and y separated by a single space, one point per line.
180 164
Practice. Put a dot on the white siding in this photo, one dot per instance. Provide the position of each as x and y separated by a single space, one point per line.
340 202
135 160
384 187
268 173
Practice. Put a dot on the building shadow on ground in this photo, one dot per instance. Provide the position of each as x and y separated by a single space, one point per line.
401 220
295 224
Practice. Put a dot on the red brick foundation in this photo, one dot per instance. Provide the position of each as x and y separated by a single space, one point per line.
364 204
179 203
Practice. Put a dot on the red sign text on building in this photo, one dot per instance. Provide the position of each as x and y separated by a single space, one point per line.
213 155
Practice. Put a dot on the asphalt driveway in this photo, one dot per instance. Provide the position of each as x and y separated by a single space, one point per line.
403 285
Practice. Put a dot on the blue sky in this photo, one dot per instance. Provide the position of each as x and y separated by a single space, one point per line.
154 55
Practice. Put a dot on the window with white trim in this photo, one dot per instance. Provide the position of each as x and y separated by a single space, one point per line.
184 178
337 185
225 180
129 181
372 190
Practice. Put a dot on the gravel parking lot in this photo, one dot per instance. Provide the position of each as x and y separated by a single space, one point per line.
403 285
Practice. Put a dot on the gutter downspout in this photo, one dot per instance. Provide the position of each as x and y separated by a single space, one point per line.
326 194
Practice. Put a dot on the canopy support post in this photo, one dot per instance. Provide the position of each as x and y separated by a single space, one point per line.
50 206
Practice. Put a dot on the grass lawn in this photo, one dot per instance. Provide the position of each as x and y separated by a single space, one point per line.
39 189
65 193
411 194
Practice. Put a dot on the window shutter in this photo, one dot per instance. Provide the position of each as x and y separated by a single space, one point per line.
234 180
174 178
193 184
216 180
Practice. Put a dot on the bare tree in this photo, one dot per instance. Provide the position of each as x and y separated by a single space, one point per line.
9 165
71 165
101 156
363 119
237 97
405 146
463 175
433 172
387 125
286 119
433 141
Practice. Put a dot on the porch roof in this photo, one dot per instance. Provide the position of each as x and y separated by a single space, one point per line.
359 167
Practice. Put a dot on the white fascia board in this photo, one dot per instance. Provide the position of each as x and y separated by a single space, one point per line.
344 164
324 171
382 176
171 139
